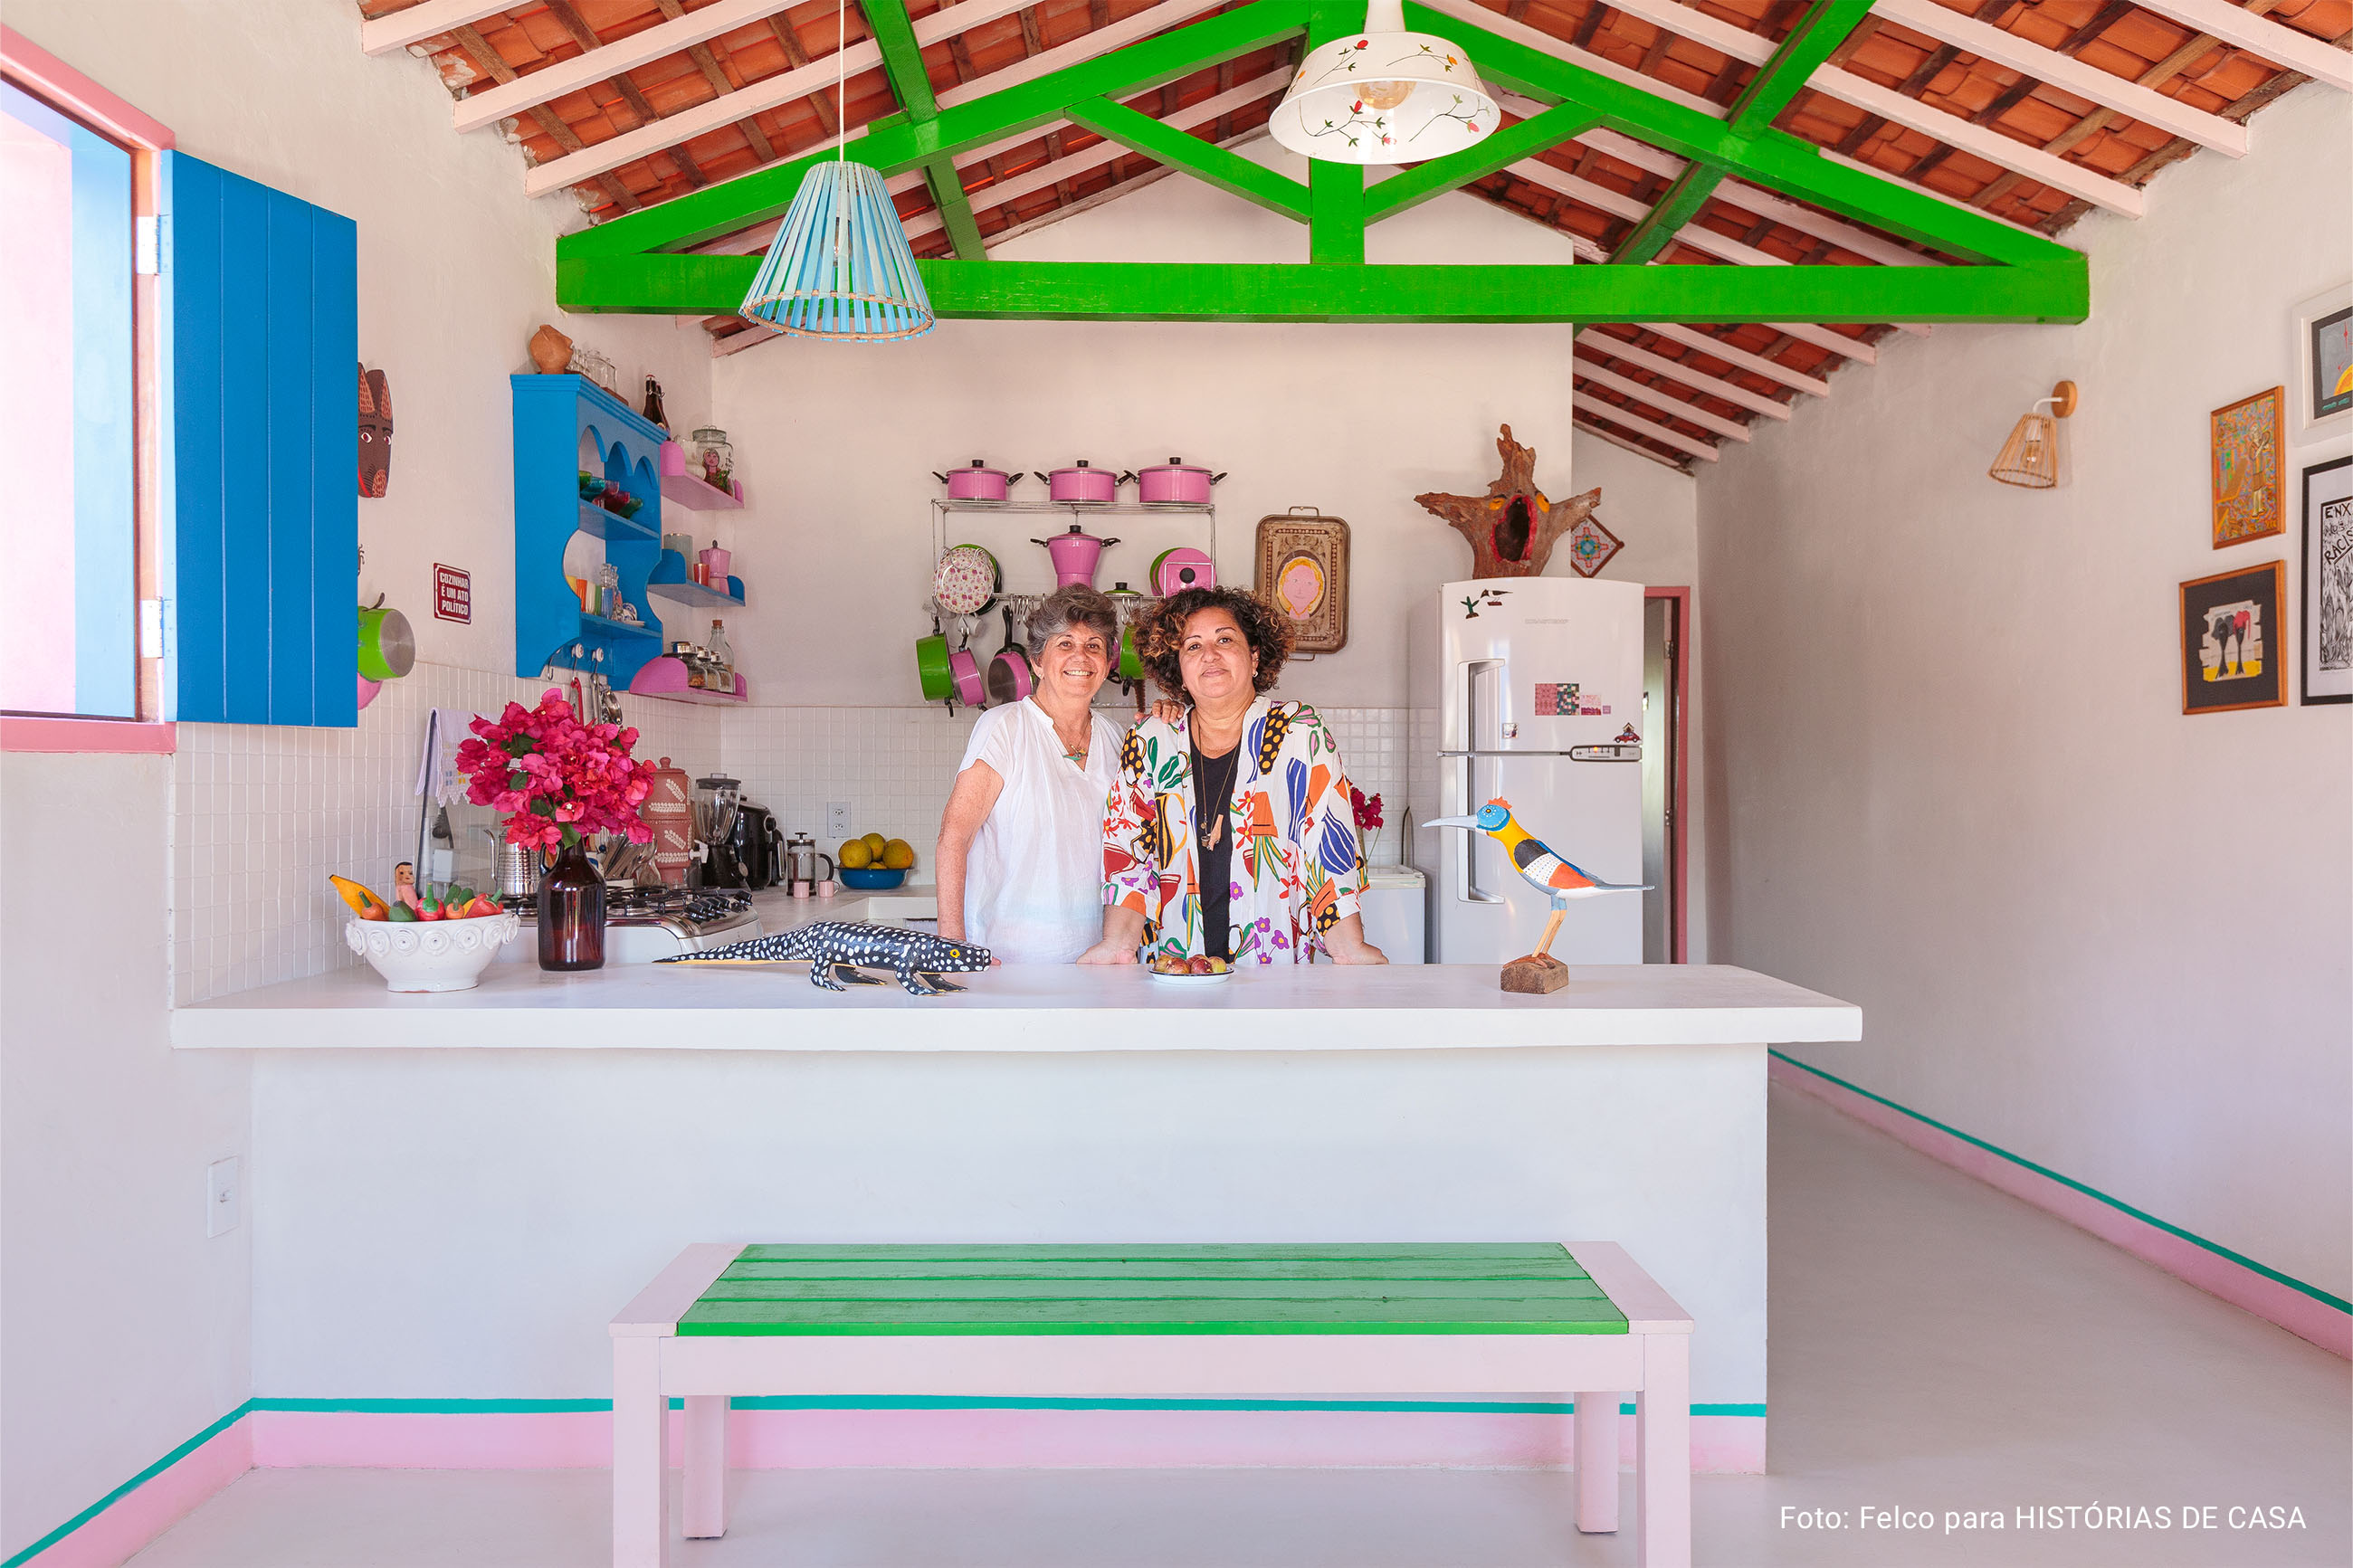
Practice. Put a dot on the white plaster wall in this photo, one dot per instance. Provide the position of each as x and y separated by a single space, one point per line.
123 1329
1949 775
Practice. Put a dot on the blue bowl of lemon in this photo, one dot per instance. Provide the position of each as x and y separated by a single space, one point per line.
873 863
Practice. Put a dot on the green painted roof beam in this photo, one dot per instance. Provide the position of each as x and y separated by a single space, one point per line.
1165 143
902 63
704 285
1769 158
1418 183
1668 214
1335 223
1819 33
903 144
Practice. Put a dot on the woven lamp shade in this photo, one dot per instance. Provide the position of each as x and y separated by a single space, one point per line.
840 266
2031 456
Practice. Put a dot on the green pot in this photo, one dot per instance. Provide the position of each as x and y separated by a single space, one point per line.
387 645
931 664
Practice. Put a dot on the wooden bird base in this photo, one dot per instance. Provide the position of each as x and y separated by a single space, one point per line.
1537 974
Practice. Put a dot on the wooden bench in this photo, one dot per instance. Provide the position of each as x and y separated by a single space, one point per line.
1079 1321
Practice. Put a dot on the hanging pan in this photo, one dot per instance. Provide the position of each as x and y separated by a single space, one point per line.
1008 672
932 665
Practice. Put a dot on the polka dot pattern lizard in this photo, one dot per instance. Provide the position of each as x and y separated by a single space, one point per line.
838 950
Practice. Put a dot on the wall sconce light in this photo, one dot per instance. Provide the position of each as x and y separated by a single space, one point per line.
2031 456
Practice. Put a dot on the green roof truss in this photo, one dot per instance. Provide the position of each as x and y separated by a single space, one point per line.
633 263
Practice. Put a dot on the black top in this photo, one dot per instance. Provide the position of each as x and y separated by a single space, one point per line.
1213 793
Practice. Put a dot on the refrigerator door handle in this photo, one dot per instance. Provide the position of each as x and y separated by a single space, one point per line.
1466 883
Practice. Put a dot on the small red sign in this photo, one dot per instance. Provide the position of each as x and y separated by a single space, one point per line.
453 594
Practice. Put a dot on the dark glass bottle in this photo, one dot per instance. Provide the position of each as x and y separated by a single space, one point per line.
655 413
571 912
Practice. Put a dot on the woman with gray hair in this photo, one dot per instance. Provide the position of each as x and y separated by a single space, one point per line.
1020 852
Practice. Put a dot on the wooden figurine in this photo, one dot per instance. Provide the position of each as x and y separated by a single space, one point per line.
1539 867
1512 528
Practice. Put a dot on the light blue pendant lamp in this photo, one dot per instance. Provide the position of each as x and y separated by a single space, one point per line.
840 266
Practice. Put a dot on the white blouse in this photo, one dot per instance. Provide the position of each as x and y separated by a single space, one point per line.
1033 883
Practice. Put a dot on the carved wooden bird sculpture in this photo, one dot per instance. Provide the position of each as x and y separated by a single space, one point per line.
1537 865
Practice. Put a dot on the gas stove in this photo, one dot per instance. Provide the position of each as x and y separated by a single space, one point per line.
644 923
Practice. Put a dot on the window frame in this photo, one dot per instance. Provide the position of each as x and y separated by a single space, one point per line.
33 70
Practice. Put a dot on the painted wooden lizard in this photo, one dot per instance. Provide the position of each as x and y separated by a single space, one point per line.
838 950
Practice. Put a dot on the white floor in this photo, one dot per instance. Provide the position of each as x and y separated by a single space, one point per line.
1935 1346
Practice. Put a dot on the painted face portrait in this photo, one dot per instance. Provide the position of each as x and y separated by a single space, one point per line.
375 432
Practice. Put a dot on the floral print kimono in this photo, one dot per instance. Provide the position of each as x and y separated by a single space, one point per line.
1298 866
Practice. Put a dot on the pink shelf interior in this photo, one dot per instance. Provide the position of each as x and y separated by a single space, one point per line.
665 676
696 496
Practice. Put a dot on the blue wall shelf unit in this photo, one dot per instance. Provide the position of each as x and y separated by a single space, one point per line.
562 424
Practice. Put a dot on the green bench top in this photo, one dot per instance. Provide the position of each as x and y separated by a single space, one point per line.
1412 1288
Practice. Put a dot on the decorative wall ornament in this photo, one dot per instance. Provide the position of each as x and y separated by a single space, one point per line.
375 432
2232 641
551 350
2328 582
1302 572
1590 546
1512 527
2249 499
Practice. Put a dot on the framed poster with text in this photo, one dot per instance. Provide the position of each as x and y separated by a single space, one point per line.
2327 641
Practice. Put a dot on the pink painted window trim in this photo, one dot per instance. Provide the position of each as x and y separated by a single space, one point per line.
27 63
76 93
23 733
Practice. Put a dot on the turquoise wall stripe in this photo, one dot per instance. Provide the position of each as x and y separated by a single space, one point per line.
149 1474
825 1402
2216 1248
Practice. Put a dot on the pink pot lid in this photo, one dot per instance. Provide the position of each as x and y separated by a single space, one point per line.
1173 466
976 466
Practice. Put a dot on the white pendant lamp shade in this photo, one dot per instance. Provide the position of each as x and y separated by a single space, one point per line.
1384 96
840 266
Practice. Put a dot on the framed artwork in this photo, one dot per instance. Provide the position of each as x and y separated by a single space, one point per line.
1303 570
2328 582
2323 364
2231 655
2249 499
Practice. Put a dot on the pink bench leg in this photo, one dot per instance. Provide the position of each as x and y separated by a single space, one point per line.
706 1465
1597 1462
640 1456
1663 1452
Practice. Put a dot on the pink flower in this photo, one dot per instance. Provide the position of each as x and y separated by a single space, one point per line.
1367 807
554 778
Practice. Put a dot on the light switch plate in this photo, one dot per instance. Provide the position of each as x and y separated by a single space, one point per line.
223 1196
836 822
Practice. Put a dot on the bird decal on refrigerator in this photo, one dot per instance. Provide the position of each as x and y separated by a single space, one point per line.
1538 866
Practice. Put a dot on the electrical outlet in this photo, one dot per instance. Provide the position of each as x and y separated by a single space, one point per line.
837 821
223 1196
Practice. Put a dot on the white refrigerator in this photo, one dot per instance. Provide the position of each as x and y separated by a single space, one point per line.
1528 689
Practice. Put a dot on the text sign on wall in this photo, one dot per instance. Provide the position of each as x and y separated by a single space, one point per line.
453 594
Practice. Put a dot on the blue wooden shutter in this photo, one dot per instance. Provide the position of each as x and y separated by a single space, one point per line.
260 347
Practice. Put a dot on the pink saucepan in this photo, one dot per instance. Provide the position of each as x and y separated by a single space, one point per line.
978 482
1008 672
1075 556
1174 483
963 669
1081 485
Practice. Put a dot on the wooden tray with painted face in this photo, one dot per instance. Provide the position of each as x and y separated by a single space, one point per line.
1302 572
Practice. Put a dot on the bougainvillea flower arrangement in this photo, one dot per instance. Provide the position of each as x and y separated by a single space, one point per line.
557 780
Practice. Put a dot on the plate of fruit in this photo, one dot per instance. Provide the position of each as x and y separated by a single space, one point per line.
1176 969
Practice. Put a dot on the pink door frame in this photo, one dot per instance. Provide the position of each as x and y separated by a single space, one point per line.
1678 775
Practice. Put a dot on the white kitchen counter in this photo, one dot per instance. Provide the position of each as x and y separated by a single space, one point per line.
1283 1007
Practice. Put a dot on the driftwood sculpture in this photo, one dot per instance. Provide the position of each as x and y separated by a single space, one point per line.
1512 528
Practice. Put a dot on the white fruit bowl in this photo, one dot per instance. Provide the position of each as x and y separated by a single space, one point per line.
431 955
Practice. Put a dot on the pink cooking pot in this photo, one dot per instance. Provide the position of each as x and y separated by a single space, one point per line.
971 685
1008 672
1075 556
1174 571
1174 483
1080 485
978 482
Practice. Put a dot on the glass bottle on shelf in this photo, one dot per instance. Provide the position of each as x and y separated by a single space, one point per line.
655 413
722 659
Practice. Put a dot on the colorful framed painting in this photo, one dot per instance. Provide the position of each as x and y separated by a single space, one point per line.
2231 653
2327 582
2324 364
2249 487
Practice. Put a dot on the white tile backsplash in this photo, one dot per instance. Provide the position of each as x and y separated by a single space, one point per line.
263 815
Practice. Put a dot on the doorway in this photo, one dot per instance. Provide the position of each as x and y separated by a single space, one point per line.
1664 612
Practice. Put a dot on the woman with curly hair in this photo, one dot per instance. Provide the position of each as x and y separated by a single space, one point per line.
1229 832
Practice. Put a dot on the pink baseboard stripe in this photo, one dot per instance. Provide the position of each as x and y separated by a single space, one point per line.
987 1437
121 1526
577 1434
2305 1310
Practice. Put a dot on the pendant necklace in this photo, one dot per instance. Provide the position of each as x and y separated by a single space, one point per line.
1212 827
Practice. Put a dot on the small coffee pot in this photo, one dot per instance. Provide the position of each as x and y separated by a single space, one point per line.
801 860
